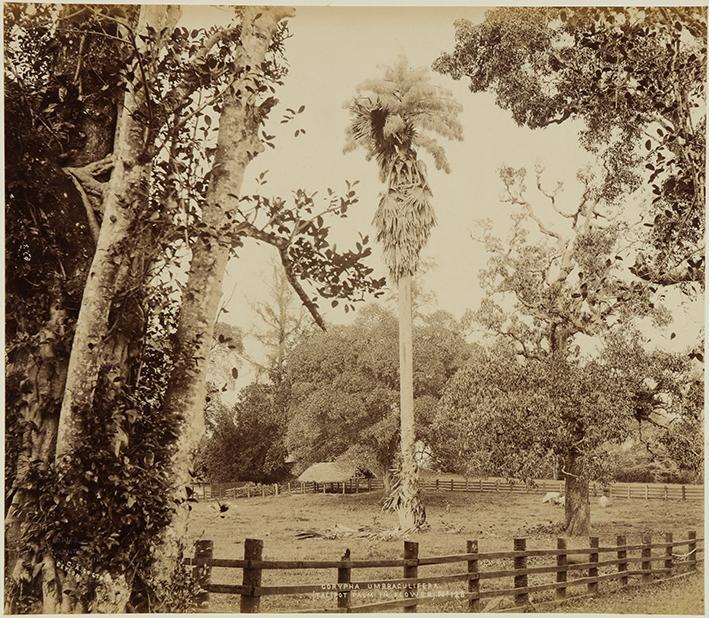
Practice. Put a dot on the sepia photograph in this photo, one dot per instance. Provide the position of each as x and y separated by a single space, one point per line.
372 309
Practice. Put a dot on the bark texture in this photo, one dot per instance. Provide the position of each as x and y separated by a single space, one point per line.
577 504
237 144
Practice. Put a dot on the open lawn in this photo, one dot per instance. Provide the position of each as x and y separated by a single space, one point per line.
493 519
682 596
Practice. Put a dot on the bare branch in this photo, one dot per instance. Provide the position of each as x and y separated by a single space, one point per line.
293 280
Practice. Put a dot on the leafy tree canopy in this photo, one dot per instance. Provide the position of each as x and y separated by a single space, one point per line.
502 415
635 78
346 388
246 442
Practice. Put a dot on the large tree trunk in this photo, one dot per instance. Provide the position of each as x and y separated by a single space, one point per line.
577 504
410 510
126 189
237 144
43 371
111 263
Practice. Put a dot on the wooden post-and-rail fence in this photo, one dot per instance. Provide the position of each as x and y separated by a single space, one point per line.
639 491
413 587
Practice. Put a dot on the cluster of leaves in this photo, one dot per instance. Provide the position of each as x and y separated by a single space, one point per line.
247 441
345 388
502 415
103 508
667 392
299 230
635 77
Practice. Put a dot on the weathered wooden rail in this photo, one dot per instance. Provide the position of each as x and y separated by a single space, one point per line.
646 491
480 581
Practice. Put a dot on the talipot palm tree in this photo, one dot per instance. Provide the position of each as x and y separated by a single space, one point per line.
392 117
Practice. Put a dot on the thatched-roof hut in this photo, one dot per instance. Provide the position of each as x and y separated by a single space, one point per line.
328 472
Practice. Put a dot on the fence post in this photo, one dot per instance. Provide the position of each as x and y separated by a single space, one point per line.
684 492
203 550
520 564
645 555
561 574
344 485
436 484
344 576
473 580
357 485
263 491
668 554
481 486
411 551
647 491
466 483
248 492
593 571
497 485
665 492
250 600
451 484
622 555
692 548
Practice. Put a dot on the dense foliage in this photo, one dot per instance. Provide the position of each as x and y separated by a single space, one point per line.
635 78
502 415
246 442
345 388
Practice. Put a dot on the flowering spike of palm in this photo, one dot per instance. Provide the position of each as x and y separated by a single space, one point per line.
391 117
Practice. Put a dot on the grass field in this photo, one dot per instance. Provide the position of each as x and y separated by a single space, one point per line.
493 519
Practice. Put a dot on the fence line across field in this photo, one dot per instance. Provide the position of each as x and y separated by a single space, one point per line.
646 491
673 561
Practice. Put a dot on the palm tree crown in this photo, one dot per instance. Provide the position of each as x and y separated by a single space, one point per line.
391 117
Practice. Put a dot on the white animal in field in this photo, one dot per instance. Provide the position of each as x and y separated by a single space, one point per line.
604 502
554 497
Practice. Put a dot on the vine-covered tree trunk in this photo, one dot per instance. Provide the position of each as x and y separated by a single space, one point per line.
577 503
410 509
43 376
237 144
126 189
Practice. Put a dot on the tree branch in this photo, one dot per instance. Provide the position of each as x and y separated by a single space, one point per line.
90 215
296 285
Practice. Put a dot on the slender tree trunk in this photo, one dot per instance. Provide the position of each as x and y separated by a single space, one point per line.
411 512
577 504
237 144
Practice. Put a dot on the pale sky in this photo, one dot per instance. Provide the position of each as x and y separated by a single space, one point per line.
331 51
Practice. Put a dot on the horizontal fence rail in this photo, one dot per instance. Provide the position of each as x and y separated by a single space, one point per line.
643 491
677 557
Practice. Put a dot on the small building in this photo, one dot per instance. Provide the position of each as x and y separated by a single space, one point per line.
328 472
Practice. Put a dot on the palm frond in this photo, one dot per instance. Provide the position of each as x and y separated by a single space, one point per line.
389 118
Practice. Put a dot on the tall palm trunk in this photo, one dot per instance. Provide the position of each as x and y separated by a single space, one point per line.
410 509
